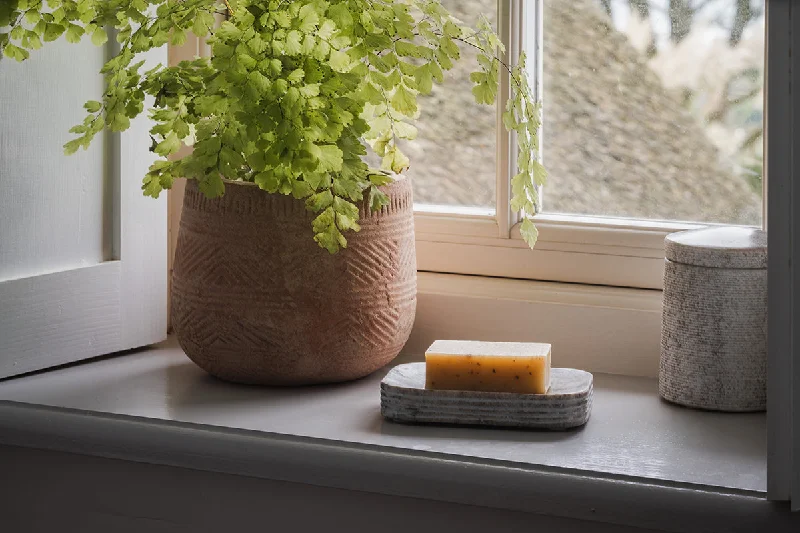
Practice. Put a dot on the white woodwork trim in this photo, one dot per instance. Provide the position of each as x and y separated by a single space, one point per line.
57 318
532 30
119 304
600 329
521 263
143 244
509 31
565 229
142 227
574 249
515 17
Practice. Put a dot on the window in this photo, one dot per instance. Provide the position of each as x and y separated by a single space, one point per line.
652 123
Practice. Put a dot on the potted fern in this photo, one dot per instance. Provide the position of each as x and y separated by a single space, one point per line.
295 261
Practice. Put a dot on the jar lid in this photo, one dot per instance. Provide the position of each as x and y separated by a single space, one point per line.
724 247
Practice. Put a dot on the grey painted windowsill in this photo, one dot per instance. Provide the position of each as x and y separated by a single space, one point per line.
636 462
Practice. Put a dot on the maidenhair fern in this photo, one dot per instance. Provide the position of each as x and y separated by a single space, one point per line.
290 96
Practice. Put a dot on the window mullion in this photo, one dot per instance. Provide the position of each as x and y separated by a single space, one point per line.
533 45
520 28
509 22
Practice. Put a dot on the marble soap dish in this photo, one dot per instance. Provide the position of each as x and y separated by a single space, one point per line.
566 405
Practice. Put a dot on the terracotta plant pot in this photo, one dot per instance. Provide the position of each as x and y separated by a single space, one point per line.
255 300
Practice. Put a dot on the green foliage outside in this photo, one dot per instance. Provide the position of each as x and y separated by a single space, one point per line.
293 92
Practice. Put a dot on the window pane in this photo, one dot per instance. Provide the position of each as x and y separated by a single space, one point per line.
453 156
653 108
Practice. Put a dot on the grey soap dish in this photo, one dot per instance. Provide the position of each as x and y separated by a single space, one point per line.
566 405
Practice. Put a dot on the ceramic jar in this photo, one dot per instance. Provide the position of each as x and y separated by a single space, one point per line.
714 322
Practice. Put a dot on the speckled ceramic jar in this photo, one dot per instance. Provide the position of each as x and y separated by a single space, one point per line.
714 323
255 300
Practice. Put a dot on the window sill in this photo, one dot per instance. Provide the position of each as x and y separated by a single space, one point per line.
636 462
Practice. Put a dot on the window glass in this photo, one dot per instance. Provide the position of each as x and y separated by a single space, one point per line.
453 157
653 108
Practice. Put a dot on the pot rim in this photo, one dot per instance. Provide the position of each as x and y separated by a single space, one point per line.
226 181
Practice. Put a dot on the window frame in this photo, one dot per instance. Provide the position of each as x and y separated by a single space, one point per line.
619 252
782 119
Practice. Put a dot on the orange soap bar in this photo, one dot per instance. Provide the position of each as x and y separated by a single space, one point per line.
522 367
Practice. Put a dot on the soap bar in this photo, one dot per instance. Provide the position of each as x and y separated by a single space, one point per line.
521 367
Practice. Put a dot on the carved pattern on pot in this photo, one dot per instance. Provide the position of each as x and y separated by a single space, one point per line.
255 300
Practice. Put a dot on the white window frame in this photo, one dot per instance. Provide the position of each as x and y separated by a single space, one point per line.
592 250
